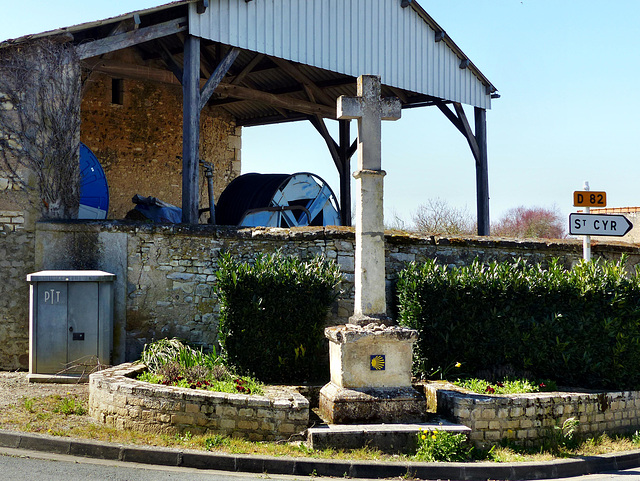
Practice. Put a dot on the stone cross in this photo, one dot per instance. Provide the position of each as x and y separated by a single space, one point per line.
370 109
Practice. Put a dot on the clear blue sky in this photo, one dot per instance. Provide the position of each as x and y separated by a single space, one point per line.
567 72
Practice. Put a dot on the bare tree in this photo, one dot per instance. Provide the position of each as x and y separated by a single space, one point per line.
40 124
531 222
436 216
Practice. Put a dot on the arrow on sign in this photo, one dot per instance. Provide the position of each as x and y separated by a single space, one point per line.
599 224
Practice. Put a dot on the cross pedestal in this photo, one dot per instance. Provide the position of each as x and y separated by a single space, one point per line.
370 363
370 376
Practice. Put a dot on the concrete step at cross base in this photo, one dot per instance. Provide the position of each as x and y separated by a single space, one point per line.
388 438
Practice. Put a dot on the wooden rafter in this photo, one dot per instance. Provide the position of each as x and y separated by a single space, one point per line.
247 69
306 82
170 61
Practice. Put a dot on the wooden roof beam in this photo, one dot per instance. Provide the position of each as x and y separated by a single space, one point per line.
128 39
277 101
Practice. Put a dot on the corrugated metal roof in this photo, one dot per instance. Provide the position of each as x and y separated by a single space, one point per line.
329 41
351 37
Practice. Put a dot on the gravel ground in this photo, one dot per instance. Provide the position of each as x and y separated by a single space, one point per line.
14 387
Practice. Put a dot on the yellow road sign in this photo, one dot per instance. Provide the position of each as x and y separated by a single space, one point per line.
589 198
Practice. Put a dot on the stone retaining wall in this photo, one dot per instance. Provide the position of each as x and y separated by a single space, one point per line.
118 400
529 419
166 272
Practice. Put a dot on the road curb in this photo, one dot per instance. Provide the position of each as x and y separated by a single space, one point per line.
317 467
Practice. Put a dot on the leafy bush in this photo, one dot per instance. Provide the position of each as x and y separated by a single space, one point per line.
578 327
273 314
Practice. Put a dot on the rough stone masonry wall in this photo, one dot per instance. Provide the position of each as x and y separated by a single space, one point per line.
16 260
170 269
118 400
530 419
139 142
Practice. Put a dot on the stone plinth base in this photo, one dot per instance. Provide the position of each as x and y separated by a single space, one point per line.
340 405
372 356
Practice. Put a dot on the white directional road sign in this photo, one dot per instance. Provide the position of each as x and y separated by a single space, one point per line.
599 224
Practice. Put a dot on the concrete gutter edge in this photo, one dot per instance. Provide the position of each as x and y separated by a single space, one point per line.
318 467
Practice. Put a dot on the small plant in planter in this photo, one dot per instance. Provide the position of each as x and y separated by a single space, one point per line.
172 363
506 386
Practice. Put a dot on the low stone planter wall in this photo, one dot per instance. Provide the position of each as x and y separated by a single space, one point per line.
119 400
527 419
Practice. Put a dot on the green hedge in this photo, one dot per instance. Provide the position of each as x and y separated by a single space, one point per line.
273 314
579 327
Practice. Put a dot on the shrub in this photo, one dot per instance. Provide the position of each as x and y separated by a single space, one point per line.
442 446
273 314
578 327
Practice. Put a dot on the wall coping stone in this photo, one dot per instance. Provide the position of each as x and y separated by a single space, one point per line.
392 237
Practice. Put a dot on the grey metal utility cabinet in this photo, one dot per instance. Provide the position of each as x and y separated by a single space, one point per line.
70 323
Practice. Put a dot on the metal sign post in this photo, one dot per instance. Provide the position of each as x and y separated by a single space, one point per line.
586 241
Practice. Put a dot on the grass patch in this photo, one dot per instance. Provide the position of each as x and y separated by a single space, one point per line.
67 416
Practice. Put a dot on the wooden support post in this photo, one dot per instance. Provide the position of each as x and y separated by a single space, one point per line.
478 144
190 129
482 172
345 171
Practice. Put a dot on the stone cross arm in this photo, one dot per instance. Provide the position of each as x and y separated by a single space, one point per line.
353 108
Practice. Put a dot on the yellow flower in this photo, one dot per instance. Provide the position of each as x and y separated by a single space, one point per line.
433 437
458 364
424 437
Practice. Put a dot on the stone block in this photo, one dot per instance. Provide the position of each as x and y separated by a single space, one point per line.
340 405
352 350
226 411
247 424
227 424
497 425
287 428
182 418
488 414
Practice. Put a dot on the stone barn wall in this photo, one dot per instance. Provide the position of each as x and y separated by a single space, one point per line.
166 272
139 141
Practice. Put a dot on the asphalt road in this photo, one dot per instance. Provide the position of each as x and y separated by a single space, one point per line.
23 465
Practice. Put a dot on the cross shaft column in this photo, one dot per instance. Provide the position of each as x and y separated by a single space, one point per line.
369 109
